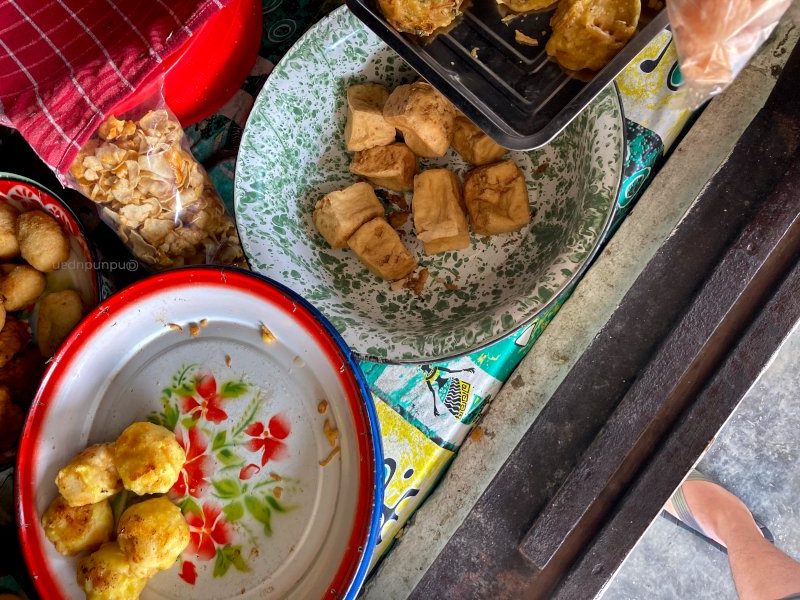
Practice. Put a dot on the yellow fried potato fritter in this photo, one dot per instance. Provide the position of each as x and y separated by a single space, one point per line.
21 287
89 477
59 312
9 246
73 529
107 575
41 242
587 34
152 534
420 17
148 458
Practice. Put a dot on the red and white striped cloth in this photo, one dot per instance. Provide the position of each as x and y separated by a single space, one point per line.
65 64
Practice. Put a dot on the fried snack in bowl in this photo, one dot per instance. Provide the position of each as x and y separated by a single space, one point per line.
106 575
9 245
365 126
155 195
59 312
423 116
392 167
21 287
521 6
420 17
89 477
42 243
587 34
497 198
473 145
338 214
13 337
438 208
11 420
74 529
148 458
377 245
152 535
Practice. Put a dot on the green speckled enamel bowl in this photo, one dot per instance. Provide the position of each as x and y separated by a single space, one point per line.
293 152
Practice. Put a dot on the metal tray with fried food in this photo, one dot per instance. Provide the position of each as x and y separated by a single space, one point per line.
502 80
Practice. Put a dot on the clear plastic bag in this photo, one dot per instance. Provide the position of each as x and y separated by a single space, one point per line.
716 38
149 188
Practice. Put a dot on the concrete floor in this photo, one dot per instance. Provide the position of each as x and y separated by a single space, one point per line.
756 456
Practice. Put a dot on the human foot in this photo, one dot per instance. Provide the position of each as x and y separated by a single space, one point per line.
712 510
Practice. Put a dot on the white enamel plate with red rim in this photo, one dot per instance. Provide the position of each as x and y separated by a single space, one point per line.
283 480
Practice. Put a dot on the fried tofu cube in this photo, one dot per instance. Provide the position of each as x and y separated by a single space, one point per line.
366 127
473 145
338 214
392 167
423 116
497 198
438 209
378 246
73 529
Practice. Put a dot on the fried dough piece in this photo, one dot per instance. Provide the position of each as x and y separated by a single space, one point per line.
13 337
423 116
21 374
438 208
89 477
587 34
473 145
392 167
59 312
73 529
106 575
338 214
420 17
521 6
9 246
148 458
152 534
497 198
41 242
21 287
11 420
366 127
379 247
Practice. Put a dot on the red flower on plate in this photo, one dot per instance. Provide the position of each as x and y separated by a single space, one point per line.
207 531
268 439
193 478
248 471
188 572
209 405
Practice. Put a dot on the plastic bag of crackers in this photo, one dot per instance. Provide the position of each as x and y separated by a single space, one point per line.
716 38
149 188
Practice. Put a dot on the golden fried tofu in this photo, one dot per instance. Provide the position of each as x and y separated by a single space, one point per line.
338 214
89 477
392 167
587 34
59 312
73 529
21 287
420 17
13 337
423 116
473 145
521 6
9 246
148 458
366 127
152 534
106 575
438 209
41 242
378 246
497 198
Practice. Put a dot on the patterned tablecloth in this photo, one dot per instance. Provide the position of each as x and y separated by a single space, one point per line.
418 445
